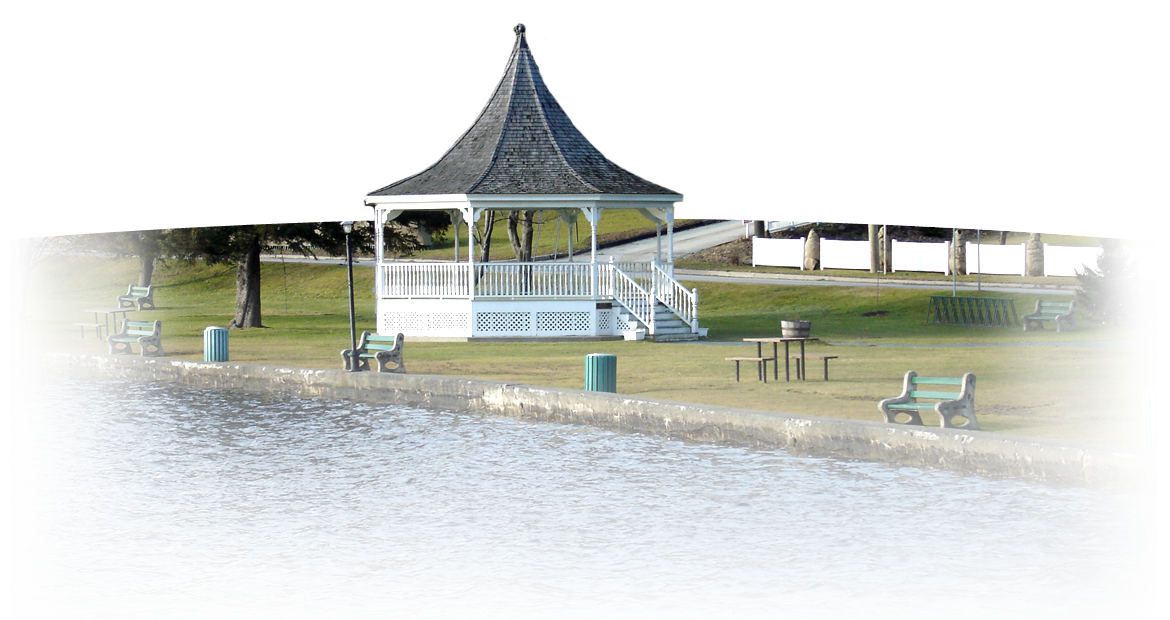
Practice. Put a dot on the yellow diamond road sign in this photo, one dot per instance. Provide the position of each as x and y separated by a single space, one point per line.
885 191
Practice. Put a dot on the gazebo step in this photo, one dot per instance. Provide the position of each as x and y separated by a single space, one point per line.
689 336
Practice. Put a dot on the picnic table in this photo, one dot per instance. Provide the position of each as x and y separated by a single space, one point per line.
775 351
105 319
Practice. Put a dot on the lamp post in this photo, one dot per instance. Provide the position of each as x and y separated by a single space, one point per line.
353 355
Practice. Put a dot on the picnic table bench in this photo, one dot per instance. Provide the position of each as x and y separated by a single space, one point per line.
383 349
1062 313
140 296
904 409
761 366
802 363
146 334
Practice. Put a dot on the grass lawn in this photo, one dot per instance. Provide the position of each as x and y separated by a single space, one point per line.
1062 386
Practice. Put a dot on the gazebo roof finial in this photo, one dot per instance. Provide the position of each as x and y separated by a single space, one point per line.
519 29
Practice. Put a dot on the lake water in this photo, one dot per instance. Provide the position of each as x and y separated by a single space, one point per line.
161 502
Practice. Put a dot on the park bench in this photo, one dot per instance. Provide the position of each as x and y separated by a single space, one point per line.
140 296
1059 312
761 366
904 409
147 334
384 349
18 315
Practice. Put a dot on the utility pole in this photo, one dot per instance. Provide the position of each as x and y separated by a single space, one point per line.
872 215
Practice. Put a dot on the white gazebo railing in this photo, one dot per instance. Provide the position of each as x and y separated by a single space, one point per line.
637 287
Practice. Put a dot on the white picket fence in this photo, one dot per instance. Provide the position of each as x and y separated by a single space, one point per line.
826 207
912 256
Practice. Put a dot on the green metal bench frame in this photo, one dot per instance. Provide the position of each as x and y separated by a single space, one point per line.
951 405
972 311
383 349
146 334
140 296
1062 313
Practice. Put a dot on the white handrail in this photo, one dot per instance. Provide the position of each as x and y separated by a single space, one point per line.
630 295
826 207
675 296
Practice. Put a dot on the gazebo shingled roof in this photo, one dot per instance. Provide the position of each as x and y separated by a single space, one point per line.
523 143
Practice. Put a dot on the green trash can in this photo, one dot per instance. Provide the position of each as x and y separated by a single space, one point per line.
215 344
1150 419
601 372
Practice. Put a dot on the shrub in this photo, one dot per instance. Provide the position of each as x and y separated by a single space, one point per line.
1102 293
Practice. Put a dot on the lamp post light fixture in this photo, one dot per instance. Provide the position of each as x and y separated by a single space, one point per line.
353 354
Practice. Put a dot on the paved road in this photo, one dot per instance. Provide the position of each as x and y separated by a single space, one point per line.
686 242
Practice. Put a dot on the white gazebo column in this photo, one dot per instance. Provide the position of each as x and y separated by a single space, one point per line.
670 238
381 219
592 214
470 215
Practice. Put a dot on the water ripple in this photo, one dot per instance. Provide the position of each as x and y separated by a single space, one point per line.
156 501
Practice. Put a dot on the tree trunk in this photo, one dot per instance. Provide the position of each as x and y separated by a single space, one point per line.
520 234
485 239
248 289
757 194
146 272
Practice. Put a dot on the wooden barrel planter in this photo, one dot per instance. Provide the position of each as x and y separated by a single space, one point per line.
795 329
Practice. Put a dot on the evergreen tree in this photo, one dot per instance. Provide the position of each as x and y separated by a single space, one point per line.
1113 290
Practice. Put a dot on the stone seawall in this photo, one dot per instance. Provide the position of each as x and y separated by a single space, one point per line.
968 451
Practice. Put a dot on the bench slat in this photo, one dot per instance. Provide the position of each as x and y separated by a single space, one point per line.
940 395
937 380
912 406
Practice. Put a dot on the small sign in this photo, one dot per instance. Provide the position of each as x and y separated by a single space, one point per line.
885 191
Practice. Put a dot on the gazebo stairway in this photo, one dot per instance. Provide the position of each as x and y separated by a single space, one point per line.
668 326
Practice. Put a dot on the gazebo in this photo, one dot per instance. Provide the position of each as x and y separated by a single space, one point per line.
523 153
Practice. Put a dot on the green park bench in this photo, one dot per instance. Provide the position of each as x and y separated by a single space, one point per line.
904 409
148 336
972 311
1061 313
140 296
383 349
